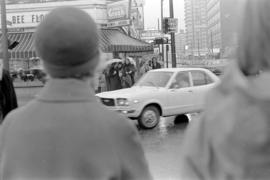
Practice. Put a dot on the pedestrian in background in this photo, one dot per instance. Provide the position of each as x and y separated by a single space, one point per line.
115 80
129 71
155 63
106 73
231 141
8 99
65 133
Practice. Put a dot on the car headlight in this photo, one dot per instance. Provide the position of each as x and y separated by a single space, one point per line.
136 101
122 102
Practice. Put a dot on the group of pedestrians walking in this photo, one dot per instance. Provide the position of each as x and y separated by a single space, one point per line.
65 133
120 75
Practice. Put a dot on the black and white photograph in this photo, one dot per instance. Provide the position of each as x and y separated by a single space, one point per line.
134 89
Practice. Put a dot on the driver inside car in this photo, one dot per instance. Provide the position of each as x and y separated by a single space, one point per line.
181 81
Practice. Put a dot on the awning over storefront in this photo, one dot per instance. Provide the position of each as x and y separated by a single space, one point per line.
111 40
25 48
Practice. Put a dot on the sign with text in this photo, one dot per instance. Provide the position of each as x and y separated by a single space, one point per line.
170 25
25 19
119 23
20 18
118 13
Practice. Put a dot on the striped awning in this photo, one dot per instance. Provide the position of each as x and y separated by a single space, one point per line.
111 40
25 48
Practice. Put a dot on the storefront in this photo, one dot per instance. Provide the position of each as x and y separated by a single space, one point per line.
23 19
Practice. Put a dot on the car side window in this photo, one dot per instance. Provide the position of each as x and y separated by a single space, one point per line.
201 78
181 81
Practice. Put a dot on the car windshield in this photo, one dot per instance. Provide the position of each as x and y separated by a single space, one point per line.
155 79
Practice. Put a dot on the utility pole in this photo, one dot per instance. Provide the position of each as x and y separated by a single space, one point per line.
158 25
172 37
212 45
129 16
4 35
193 29
199 54
162 30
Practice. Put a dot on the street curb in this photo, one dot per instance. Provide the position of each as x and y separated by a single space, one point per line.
21 87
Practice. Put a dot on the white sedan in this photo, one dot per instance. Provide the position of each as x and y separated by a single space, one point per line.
163 92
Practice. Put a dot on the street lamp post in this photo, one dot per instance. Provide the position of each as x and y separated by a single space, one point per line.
4 35
172 37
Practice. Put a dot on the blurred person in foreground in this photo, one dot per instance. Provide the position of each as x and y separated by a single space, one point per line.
8 99
65 133
232 140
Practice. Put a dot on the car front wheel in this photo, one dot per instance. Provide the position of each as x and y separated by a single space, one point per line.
149 118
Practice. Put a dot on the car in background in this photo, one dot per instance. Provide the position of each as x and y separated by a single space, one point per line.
13 74
26 75
162 92
39 74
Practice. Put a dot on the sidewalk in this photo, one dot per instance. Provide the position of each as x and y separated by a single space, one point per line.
27 84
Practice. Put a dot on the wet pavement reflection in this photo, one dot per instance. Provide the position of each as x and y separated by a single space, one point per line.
162 147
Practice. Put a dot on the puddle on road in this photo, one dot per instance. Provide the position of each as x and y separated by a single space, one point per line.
165 135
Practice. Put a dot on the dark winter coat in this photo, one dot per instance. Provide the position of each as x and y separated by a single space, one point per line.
114 78
8 99
156 66
129 70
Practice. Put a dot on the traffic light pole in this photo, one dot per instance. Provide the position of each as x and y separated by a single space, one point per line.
162 17
129 16
172 38
4 35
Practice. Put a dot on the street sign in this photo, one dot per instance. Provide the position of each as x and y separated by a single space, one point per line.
119 23
170 25
161 41
118 14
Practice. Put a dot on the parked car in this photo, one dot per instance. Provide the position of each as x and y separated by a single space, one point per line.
163 92
13 75
26 75
39 74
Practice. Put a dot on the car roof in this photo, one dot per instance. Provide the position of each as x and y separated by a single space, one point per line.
178 69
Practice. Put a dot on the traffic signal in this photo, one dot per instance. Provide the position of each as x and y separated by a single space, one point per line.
158 41
165 25
169 25
12 44
161 41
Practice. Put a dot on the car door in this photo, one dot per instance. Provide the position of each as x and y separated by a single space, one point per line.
201 83
180 94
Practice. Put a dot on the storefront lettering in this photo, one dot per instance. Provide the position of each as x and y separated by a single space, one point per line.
18 19
37 18
24 19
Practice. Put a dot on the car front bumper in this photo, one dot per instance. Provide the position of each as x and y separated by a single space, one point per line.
130 112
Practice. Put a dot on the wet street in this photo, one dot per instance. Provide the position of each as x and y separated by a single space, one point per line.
162 145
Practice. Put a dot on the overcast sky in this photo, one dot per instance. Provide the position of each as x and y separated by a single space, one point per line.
152 12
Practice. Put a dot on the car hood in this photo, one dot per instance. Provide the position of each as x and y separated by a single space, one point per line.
128 93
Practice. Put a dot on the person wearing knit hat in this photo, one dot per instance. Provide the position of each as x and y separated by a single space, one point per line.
65 133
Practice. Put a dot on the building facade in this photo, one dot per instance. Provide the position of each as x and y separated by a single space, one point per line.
196 27
180 44
223 20
22 20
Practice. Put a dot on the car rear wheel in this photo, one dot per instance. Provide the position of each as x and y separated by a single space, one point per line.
149 118
181 119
